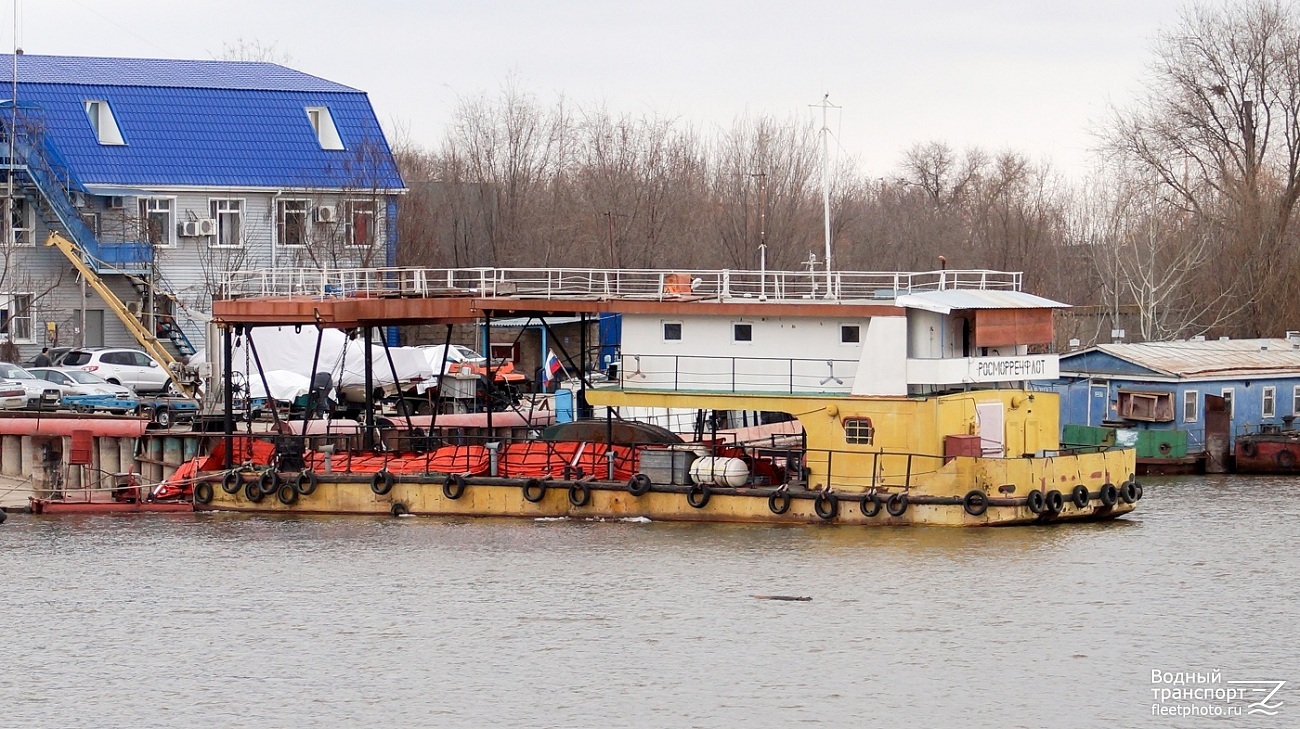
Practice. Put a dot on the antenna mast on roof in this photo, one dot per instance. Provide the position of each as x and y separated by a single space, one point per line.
826 105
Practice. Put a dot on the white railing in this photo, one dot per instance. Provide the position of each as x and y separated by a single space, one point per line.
569 283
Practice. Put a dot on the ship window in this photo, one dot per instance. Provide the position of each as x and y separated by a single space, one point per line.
859 431
1154 407
1268 408
742 332
1191 403
850 334
672 331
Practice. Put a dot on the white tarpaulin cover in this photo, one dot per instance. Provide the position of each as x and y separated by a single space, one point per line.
283 350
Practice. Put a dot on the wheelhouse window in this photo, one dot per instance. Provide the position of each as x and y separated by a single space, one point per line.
742 333
858 431
361 223
229 215
1268 405
673 333
156 220
16 317
291 223
1191 406
850 334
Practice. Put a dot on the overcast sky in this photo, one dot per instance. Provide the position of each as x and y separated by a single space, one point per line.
1031 76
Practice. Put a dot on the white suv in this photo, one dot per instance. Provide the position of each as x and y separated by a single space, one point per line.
129 367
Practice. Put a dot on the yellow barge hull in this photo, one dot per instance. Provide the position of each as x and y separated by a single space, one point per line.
965 492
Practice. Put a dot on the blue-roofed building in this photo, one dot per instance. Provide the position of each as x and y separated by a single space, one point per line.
167 174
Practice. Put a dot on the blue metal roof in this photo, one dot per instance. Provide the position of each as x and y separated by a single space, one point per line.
204 123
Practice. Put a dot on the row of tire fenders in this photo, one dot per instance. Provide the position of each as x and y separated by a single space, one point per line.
826 504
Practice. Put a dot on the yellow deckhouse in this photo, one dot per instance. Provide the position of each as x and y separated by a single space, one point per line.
858 398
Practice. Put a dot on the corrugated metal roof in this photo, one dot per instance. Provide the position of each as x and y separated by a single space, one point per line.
159 72
204 124
949 300
1211 358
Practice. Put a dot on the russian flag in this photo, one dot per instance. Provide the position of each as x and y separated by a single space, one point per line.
552 367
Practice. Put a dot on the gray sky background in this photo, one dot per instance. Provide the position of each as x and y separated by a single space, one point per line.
1030 76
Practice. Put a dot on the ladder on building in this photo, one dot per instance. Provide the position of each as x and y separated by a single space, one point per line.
147 339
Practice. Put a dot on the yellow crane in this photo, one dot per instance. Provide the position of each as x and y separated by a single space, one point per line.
147 339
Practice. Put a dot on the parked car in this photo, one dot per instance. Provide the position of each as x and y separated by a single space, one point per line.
87 391
54 354
129 367
38 393
12 395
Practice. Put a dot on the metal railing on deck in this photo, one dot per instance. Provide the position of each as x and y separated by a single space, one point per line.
569 283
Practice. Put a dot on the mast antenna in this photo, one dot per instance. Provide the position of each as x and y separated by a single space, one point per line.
826 106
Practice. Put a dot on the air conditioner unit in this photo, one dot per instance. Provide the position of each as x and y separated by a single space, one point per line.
115 202
205 226
327 214
188 229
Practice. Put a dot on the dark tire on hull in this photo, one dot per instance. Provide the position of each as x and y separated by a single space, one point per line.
203 492
287 494
870 505
1080 496
534 490
975 502
253 491
827 505
1109 495
1054 502
1036 502
230 483
398 509
1128 492
699 495
897 504
579 494
307 482
639 485
778 502
453 486
381 482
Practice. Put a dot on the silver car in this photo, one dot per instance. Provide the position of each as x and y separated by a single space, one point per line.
79 382
39 393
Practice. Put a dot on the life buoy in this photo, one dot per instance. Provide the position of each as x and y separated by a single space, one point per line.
827 505
897 504
269 482
287 493
779 502
534 490
253 491
230 483
1108 495
1035 501
1054 502
698 496
975 502
1080 496
203 492
307 482
639 485
453 486
1249 448
398 509
870 504
579 493
381 482
1128 492
1286 459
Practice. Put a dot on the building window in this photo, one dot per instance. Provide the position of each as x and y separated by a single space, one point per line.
1295 400
102 122
1155 407
673 333
1191 406
850 334
742 333
1268 406
229 215
156 222
291 223
22 222
16 317
1227 401
858 431
322 124
361 223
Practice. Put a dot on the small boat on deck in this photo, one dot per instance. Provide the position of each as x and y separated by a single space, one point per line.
909 391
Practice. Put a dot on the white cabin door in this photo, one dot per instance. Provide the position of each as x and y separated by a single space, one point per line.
992 429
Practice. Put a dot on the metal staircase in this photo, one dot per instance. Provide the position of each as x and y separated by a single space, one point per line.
38 164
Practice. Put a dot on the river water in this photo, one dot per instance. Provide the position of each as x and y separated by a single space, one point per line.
245 621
